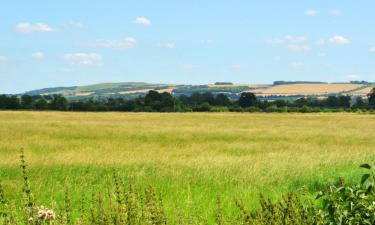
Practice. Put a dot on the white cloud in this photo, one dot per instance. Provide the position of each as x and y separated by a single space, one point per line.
339 40
83 58
37 55
142 21
311 12
168 45
293 43
125 43
238 66
353 77
335 12
298 48
76 24
189 66
372 49
320 42
207 41
322 54
33 27
290 39
297 65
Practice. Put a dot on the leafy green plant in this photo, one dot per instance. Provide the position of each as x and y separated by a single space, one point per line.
344 204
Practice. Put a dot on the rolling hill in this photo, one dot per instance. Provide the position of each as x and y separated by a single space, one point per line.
276 90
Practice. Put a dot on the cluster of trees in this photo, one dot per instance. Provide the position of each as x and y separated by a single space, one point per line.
197 102
56 102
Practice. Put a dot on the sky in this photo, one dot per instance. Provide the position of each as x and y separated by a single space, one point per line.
79 42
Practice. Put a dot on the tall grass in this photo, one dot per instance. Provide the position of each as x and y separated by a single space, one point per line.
341 204
188 159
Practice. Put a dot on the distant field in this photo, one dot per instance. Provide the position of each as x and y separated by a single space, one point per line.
307 89
189 158
144 91
362 91
239 85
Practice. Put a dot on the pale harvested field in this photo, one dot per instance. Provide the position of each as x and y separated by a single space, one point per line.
362 92
169 90
239 85
84 93
190 158
306 89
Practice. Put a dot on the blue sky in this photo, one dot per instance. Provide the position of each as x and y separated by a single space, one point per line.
67 43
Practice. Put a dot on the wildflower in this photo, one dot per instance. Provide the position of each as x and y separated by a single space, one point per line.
44 213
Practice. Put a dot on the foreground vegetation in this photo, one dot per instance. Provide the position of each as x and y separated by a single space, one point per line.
341 204
154 101
202 166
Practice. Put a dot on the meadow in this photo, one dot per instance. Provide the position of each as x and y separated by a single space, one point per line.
189 158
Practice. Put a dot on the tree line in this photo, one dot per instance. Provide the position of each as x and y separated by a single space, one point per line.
154 101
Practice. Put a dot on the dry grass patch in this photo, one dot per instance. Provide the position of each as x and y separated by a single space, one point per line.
307 89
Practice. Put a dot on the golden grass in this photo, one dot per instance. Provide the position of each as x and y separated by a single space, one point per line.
306 89
196 140
188 157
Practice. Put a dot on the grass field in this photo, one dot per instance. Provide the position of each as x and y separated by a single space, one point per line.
189 158
307 89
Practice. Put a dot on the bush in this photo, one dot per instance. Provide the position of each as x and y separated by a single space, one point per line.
205 107
219 109
282 109
272 108
344 204
235 109
252 109
305 109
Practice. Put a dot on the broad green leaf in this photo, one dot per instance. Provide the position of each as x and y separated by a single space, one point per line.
364 178
366 166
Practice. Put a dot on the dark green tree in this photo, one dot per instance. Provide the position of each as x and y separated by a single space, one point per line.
359 103
59 102
3 101
221 100
344 101
371 98
41 104
12 102
247 99
332 102
27 102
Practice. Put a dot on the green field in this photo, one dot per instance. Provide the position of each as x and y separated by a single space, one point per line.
189 158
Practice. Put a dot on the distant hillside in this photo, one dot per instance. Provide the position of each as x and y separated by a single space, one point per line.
280 82
280 89
101 90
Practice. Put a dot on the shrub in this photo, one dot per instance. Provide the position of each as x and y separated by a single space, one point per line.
343 204
219 109
305 109
252 109
235 109
204 107
272 108
282 109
